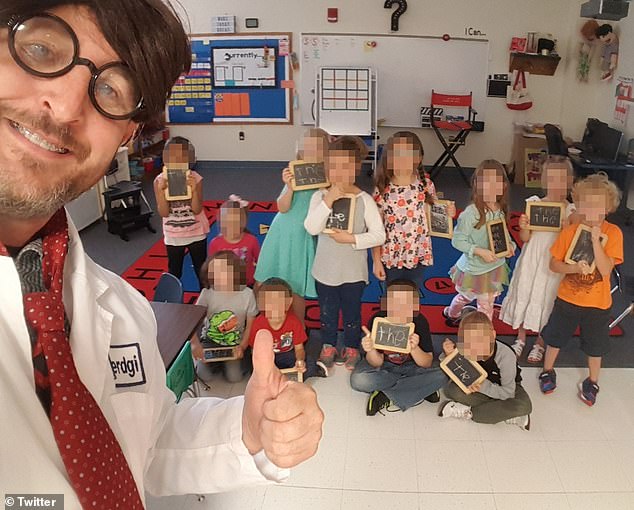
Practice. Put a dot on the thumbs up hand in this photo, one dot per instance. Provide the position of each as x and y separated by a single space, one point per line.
280 417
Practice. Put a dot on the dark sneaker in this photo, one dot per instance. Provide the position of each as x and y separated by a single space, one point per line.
322 370
588 392
351 357
377 401
452 322
467 310
434 398
328 355
547 381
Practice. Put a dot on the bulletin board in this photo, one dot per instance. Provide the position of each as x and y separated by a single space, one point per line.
235 79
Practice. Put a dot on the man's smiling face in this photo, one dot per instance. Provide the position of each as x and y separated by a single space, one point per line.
54 144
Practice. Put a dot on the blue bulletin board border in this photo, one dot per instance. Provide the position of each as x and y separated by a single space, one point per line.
193 97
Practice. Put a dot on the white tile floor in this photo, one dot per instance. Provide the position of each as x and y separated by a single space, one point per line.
574 457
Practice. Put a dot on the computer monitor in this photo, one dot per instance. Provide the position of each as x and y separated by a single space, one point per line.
589 140
608 142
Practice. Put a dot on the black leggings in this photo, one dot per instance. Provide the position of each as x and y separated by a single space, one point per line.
176 254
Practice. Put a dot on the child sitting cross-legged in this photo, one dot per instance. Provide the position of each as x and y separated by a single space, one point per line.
500 397
275 297
404 380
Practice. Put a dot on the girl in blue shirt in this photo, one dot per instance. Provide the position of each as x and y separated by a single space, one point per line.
478 274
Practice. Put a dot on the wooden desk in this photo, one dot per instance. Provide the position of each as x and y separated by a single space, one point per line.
175 323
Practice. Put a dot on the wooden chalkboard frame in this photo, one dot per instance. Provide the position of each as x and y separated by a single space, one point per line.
293 374
208 354
444 367
353 201
535 203
581 228
508 251
323 184
435 233
386 320
166 172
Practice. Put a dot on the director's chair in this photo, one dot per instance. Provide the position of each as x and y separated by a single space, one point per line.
459 126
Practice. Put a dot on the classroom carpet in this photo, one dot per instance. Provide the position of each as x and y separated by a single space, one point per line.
145 272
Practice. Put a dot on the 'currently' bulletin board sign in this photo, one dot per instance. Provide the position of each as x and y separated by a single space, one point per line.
235 79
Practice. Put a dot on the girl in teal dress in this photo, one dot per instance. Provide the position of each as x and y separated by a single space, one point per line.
288 250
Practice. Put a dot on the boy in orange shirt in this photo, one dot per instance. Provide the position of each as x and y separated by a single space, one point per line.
584 297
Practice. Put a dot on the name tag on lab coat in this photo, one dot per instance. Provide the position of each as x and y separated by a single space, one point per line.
127 365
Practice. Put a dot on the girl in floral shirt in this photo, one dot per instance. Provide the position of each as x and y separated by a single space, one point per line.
402 189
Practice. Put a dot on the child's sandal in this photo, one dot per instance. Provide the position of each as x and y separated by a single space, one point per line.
536 354
518 347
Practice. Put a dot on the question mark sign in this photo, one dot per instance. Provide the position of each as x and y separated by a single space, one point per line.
402 7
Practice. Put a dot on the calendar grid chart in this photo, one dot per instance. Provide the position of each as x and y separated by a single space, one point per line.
346 103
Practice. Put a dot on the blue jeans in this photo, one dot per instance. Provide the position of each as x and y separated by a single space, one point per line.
415 275
406 385
287 360
347 299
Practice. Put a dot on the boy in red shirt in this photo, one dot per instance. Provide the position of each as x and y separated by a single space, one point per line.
584 297
274 301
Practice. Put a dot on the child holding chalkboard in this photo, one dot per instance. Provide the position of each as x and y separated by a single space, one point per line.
289 336
584 299
231 307
533 289
185 225
341 261
500 397
235 237
401 193
288 250
404 380
478 273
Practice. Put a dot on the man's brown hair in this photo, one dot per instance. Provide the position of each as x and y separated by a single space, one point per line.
147 35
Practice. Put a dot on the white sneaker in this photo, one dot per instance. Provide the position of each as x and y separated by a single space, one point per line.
453 409
523 422
518 346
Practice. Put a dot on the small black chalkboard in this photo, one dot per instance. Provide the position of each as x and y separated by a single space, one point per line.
211 354
391 336
342 214
308 175
548 216
499 240
581 247
177 187
292 374
440 223
462 371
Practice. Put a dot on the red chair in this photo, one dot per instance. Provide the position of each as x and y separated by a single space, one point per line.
459 128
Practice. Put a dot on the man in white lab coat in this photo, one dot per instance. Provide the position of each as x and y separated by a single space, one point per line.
76 79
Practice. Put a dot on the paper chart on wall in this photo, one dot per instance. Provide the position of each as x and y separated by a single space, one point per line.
624 98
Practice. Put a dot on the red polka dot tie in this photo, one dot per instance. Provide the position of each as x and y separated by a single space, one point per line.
91 453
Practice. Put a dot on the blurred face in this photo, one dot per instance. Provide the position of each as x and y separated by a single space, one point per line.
342 167
405 158
231 222
221 272
55 144
177 156
314 149
275 304
402 303
592 205
557 181
478 341
490 185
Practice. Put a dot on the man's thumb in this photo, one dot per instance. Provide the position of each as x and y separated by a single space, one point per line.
263 357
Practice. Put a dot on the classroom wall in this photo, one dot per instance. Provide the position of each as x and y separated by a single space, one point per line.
554 100
596 98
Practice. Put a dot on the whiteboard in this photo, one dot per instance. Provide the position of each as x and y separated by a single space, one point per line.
407 68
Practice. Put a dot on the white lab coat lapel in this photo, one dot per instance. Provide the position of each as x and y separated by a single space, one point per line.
91 324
